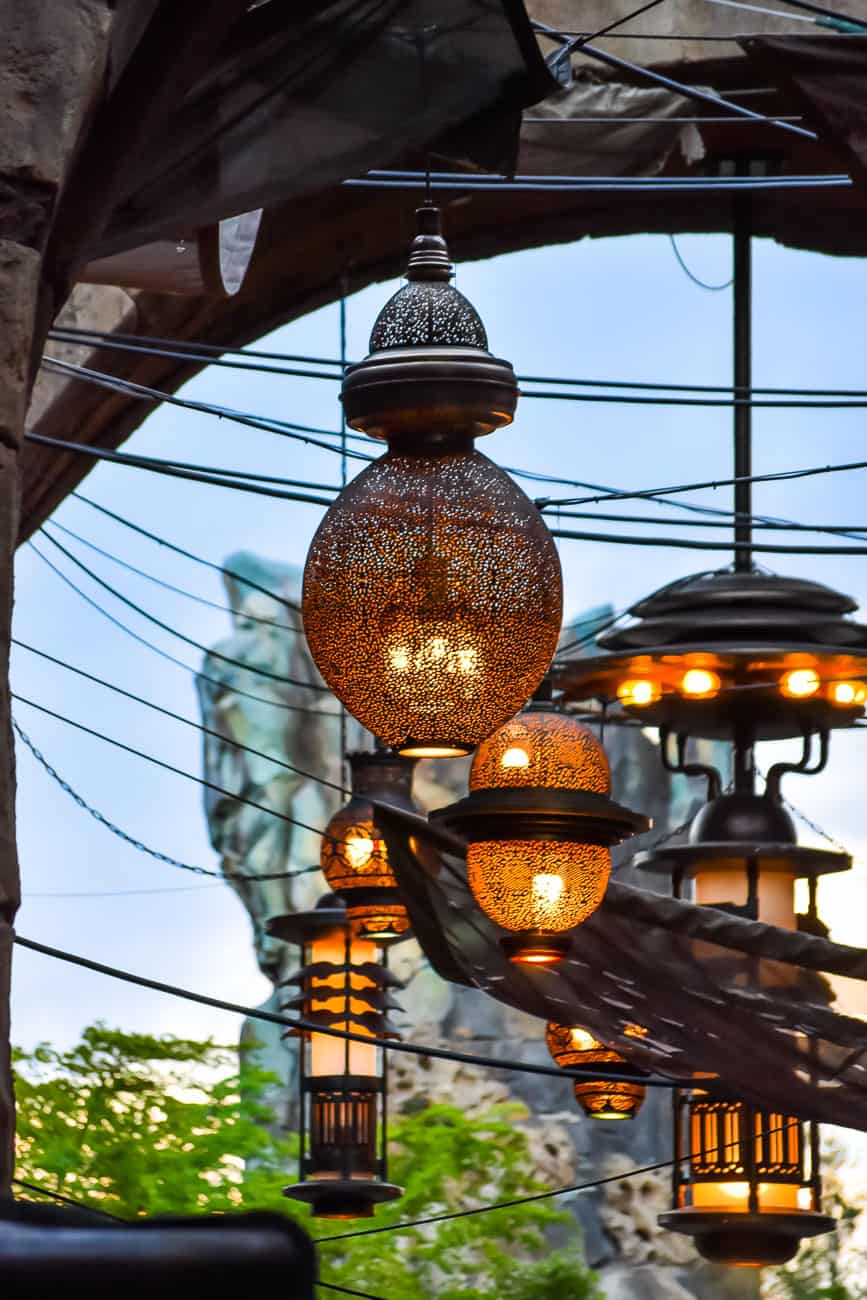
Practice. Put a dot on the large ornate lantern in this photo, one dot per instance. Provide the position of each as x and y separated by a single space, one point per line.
573 1045
342 1084
747 1182
354 853
432 589
539 825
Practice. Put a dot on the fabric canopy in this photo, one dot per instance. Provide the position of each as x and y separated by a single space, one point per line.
718 995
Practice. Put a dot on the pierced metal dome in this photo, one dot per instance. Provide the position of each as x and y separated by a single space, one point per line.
429 377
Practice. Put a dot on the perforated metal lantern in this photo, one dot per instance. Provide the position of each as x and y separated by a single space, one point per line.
354 853
432 589
539 824
343 1085
573 1045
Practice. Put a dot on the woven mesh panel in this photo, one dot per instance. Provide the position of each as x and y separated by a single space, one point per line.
428 312
537 885
354 852
432 598
542 749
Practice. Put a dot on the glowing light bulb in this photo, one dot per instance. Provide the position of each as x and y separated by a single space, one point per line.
800 683
583 1040
638 692
700 683
438 647
847 693
359 850
467 660
515 757
399 659
547 891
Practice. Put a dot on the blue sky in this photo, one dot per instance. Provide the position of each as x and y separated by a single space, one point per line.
616 309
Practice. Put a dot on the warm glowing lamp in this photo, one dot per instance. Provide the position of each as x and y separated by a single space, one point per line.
343 1084
354 853
539 825
572 1045
432 589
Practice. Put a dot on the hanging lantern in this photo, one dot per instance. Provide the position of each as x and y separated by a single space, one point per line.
572 1045
432 588
539 825
747 1182
342 1084
731 655
354 852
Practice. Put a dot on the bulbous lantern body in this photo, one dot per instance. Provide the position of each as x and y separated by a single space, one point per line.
354 853
572 1045
432 589
539 824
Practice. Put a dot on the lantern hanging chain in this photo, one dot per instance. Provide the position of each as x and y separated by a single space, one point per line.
284 626
130 839
166 627
179 717
330 1031
808 821
157 349
179 663
702 284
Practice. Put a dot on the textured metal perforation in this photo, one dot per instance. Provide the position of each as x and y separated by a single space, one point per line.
537 884
426 312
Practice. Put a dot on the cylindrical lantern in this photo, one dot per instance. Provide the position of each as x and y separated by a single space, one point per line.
343 1084
539 824
572 1045
432 588
747 1181
354 853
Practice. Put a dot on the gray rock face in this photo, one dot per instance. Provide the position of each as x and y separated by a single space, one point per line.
638 1261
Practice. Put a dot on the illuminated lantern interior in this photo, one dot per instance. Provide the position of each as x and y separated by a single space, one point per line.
572 1045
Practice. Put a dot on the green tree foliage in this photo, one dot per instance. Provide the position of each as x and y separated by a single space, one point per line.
139 1125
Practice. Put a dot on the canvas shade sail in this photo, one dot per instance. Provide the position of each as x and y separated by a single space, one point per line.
718 995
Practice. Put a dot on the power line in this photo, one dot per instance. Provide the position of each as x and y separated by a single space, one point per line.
237 480
206 350
170 658
130 839
694 544
143 393
181 636
346 1035
764 522
632 399
179 717
466 183
66 1200
168 586
121 893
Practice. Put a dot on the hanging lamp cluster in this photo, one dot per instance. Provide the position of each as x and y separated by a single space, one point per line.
432 590
342 1084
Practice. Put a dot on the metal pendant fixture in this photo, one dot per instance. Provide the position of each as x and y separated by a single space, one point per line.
747 1182
343 1085
432 589
539 825
573 1045
354 853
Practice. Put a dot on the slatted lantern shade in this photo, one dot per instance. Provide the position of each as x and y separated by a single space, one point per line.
354 854
573 1045
342 985
432 588
539 825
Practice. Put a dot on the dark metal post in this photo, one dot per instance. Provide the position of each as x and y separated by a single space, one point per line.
743 293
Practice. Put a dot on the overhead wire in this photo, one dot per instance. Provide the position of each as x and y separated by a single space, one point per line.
179 717
696 544
198 674
181 636
702 284
131 840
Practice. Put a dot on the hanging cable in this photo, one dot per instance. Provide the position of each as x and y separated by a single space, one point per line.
166 627
181 353
702 284
693 544
179 663
66 1200
152 345
120 893
346 1035
168 586
130 839
179 717
345 1290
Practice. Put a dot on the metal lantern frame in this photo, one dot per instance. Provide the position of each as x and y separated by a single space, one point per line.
598 1098
343 1117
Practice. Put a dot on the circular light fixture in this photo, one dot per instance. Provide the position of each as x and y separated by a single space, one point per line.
572 1045
432 589
539 830
354 854
731 654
